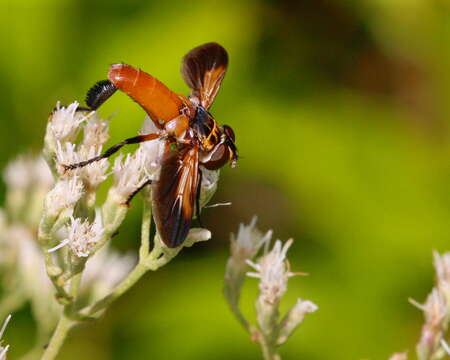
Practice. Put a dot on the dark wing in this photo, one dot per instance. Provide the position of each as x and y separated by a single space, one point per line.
160 103
174 194
203 69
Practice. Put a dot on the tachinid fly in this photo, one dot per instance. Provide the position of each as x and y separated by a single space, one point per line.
192 137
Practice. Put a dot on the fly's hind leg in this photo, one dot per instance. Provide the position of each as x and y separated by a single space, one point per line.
113 149
133 194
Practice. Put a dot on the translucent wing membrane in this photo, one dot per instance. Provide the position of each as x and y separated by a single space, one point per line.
203 69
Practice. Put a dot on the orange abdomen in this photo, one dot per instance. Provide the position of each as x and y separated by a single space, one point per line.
160 103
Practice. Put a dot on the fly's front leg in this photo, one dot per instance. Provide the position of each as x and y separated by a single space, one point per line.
113 149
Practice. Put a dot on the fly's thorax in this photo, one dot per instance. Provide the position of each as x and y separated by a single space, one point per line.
205 129
177 126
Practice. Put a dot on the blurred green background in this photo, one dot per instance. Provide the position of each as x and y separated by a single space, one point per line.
341 114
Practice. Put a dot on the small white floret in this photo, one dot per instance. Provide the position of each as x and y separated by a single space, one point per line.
248 241
64 123
65 194
82 236
17 173
273 271
95 131
130 173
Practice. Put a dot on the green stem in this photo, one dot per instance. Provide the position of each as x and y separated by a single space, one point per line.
145 230
268 352
54 273
57 340
118 291
137 272
65 323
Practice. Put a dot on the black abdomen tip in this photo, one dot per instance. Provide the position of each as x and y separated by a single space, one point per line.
99 93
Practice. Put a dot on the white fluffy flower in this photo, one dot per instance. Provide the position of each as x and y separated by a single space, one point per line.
64 123
435 311
248 241
65 155
273 271
17 173
92 174
95 173
130 173
82 236
442 266
64 195
95 131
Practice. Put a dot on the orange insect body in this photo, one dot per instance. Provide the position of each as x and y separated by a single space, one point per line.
192 136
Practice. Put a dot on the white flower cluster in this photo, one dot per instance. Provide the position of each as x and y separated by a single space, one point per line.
130 173
22 261
436 311
26 171
81 236
95 135
272 270
64 123
65 194
54 233
248 241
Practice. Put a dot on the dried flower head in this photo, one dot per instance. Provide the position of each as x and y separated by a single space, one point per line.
273 271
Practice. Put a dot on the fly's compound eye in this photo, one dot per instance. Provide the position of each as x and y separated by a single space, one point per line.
228 132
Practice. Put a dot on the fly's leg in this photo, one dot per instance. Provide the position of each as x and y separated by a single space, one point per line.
133 194
113 149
